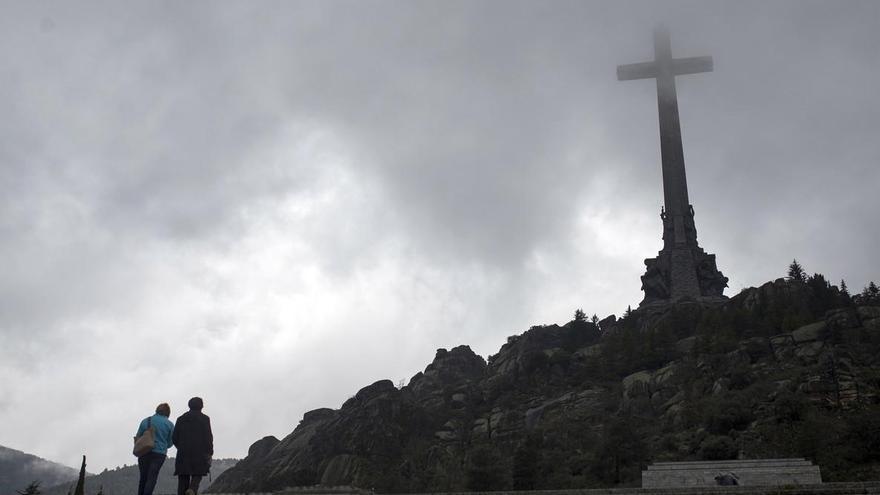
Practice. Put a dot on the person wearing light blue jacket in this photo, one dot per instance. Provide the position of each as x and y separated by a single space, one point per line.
150 463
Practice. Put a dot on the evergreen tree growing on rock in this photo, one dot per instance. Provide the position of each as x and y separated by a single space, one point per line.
32 489
485 472
621 449
525 463
796 272
870 294
823 296
844 291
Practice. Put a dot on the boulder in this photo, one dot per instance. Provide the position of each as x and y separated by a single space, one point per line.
449 376
782 345
318 415
341 470
781 340
446 435
660 378
481 426
720 386
807 333
368 393
809 351
674 400
263 446
588 352
756 348
541 347
495 420
637 384
605 324
868 312
686 345
842 319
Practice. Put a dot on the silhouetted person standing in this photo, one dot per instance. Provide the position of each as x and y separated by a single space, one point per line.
195 446
150 463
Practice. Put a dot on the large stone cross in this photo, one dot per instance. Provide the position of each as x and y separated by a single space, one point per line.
682 269
664 68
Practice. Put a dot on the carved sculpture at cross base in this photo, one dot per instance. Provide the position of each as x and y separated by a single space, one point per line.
657 280
682 270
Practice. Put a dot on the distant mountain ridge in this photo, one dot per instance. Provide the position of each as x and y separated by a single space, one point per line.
124 480
18 469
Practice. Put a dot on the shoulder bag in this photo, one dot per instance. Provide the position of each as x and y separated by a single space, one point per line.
144 444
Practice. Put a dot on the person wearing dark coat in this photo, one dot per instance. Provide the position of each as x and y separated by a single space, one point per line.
195 446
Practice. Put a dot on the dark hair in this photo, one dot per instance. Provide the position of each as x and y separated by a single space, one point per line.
164 409
196 404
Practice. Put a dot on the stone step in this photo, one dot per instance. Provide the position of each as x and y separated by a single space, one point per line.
849 488
771 459
769 463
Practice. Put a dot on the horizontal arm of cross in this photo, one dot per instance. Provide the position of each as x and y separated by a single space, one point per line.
691 65
644 70
680 66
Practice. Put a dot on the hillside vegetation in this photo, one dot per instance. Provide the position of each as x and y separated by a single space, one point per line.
124 480
18 469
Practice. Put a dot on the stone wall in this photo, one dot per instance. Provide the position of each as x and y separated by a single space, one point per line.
823 489
759 472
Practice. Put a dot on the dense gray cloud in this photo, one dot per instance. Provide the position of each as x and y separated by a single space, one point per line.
273 204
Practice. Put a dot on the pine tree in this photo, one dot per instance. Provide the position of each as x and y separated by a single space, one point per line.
485 471
32 489
844 291
525 463
594 320
873 291
796 272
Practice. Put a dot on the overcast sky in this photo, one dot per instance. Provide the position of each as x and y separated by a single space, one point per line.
271 205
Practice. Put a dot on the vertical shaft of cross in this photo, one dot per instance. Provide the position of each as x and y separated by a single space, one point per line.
675 194
682 269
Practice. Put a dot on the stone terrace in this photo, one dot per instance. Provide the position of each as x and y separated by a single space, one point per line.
820 489
758 472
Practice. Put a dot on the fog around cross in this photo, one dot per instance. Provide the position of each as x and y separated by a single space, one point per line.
272 205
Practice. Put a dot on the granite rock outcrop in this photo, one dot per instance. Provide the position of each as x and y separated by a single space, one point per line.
584 405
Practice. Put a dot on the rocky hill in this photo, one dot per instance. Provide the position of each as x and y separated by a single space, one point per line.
18 469
124 480
791 368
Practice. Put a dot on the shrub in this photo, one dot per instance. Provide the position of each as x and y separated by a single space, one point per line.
485 471
722 416
718 448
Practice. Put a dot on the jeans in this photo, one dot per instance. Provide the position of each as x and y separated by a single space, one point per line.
186 482
149 466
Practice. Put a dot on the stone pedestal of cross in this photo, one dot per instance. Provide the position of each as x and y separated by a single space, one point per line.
682 269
